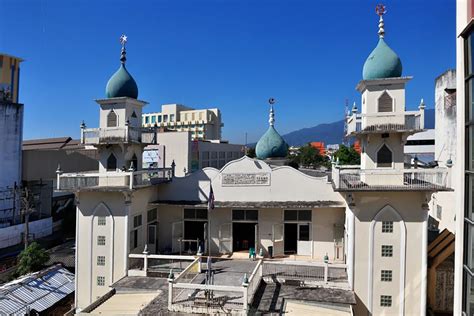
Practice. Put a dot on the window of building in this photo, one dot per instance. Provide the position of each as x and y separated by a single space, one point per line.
137 221
200 115
134 115
101 221
195 213
147 119
387 227
101 260
298 215
133 239
214 155
111 119
385 103
101 240
385 300
193 116
386 276
100 280
171 117
439 211
159 119
111 163
387 251
153 119
152 215
384 157
165 118
205 155
186 116
222 154
245 215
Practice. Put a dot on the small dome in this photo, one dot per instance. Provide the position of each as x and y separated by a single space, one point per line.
121 84
271 145
383 62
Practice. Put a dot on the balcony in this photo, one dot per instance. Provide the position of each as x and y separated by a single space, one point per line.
360 123
114 135
112 180
354 179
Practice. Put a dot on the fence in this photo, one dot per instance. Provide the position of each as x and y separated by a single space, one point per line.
312 272
118 134
379 179
74 181
383 122
156 265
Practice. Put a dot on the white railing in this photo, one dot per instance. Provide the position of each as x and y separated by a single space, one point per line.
351 179
152 265
254 283
325 274
385 122
131 180
117 135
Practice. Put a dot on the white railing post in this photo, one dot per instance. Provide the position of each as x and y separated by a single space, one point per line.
326 271
170 294
246 297
131 180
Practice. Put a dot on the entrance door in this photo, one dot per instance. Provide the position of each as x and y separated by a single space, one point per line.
193 235
177 236
243 237
152 238
225 238
304 240
277 239
291 238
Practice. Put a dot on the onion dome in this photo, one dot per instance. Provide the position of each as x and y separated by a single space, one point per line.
271 144
122 84
382 62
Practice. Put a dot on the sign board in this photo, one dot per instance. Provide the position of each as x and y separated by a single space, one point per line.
245 179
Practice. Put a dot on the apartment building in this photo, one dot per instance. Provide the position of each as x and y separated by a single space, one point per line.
202 123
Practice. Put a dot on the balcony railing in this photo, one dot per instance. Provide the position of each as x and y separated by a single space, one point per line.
352 179
118 179
113 135
385 122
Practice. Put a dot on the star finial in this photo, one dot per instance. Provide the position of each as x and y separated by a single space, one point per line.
380 10
123 40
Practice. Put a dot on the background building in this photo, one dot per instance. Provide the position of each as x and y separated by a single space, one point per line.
203 124
463 177
189 154
11 134
420 145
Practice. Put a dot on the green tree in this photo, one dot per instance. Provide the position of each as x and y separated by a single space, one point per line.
32 259
310 157
347 156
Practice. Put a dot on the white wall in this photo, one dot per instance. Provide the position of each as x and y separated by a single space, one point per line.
11 235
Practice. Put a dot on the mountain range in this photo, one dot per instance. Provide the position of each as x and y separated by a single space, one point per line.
332 133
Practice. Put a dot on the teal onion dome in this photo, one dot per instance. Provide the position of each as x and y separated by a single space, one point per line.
271 144
383 62
121 84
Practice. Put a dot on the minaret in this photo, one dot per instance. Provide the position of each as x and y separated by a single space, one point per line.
119 138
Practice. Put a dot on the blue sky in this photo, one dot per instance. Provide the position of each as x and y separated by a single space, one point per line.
222 53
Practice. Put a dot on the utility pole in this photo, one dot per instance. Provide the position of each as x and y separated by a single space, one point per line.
27 208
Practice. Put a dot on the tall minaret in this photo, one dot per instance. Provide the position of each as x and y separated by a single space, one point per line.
119 136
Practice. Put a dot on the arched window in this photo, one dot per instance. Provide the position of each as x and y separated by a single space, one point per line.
111 119
111 163
384 157
385 103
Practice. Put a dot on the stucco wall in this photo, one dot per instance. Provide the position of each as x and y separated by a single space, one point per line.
409 207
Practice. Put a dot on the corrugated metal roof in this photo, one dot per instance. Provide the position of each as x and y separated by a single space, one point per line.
37 291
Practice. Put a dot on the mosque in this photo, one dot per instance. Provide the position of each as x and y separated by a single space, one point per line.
369 219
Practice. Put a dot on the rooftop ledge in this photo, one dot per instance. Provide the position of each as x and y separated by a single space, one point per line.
407 121
112 181
355 179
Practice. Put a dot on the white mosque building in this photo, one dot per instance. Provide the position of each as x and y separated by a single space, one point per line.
371 219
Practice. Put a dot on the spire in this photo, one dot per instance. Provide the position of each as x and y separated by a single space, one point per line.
123 41
271 118
380 10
